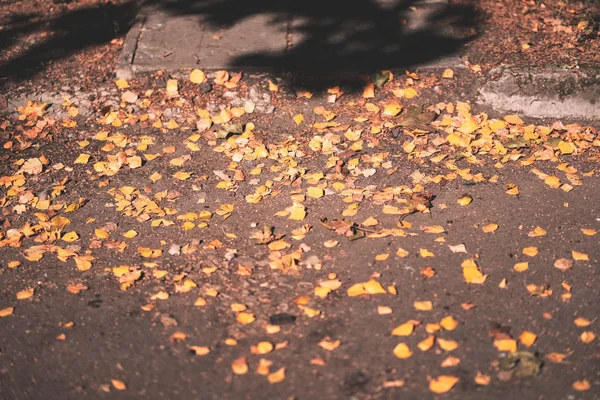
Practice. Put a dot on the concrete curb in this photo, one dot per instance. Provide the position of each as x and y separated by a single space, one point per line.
550 93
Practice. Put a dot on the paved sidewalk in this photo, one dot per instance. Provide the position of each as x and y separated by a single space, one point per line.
310 37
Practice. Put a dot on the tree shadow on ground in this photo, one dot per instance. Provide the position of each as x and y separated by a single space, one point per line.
326 38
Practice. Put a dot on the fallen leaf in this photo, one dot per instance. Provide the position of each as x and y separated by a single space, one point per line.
442 383
402 351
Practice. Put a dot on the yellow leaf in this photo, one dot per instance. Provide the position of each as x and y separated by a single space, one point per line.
448 74
297 212
581 386
101 234
582 322
527 338
70 237
200 350
279 245
587 337
514 119
130 234
172 88
392 110
370 222
577 256
556 358
374 287
425 253
197 76
239 366
298 119
513 190
382 257
490 228
588 232
409 93
553 182
449 323
447 345
117 384
329 345
537 232
25 294
565 148
442 383
182 176
530 251
405 329
506 345
273 87
276 376
315 192
402 253
369 91
465 200
423 305
482 379
5 312
471 272
322 292
434 229
402 351
427 343
122 83
245 318
82 159
521 267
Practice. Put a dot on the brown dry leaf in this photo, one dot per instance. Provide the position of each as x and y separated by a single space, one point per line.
563 264
443 383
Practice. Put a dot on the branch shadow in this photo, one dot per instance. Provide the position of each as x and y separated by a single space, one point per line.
326 38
